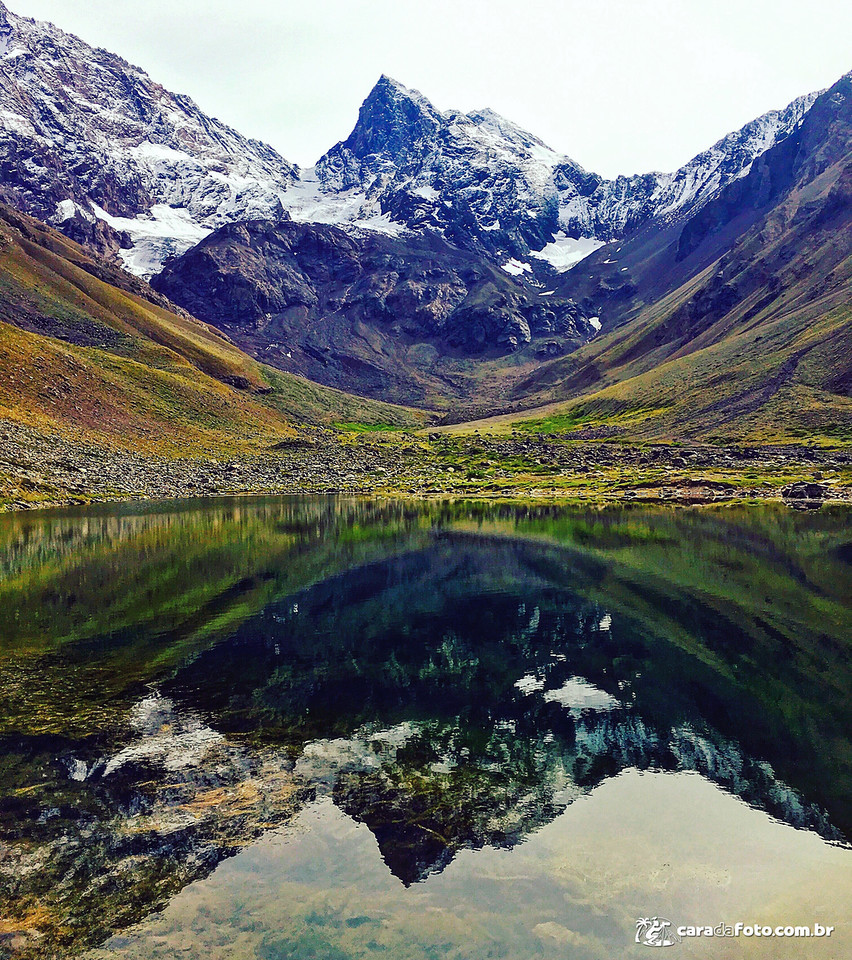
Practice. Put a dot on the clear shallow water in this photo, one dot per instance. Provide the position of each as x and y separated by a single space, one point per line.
339 728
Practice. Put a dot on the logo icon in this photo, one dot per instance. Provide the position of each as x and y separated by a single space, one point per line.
656 932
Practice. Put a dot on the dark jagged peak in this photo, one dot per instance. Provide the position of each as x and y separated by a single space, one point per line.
480 179
395 126
391 120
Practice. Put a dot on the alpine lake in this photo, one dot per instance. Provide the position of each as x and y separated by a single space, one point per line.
333 728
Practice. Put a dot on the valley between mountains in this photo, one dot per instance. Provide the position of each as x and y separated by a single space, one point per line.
441 305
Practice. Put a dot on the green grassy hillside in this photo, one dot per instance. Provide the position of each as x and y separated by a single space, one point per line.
88 351
754 347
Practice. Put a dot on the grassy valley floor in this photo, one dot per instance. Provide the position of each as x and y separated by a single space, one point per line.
38 470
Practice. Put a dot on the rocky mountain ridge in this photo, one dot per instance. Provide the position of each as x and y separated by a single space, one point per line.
490 185
93 145
381 315
737 321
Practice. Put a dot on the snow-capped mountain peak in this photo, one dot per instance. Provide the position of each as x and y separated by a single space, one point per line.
478 178
490 185
91 143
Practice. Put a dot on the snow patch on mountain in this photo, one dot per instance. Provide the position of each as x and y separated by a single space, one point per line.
566 252
67 210
305 200
516 267
166 232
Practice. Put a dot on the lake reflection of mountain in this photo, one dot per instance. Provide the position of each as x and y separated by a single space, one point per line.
178 681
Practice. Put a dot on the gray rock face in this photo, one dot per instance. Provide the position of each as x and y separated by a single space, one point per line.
346 307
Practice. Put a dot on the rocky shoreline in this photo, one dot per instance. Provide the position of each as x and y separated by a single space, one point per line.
41 471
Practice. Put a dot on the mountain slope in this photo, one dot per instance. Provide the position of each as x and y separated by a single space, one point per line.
90 143
398 318
758 344
83 357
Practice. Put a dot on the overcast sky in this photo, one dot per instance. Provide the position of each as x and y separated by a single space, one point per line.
621 86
